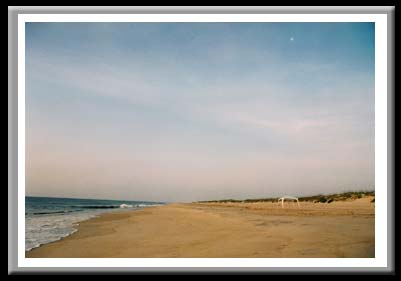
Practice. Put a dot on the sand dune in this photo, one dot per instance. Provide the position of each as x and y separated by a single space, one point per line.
225 230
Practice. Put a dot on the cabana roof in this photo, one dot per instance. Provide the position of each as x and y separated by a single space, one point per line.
289 197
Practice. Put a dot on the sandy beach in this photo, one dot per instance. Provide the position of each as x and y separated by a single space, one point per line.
225 230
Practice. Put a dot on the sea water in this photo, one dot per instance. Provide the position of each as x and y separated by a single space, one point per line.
50 219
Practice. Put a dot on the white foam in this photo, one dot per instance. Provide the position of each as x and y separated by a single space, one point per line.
44 229
147 205
125 206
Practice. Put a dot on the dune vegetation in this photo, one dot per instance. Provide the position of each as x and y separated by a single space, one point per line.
320 198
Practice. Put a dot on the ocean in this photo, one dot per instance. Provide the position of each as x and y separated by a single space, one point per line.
48 219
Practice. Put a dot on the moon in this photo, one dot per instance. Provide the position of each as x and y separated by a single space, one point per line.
292 39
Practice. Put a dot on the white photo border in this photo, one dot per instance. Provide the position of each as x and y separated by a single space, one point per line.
380 259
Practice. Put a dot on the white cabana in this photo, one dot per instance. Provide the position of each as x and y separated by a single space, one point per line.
291 198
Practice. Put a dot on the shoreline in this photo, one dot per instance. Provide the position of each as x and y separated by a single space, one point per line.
223 230
75 228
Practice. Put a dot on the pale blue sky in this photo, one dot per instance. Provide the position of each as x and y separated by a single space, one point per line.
197 111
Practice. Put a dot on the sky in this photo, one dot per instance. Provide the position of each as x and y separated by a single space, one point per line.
181 112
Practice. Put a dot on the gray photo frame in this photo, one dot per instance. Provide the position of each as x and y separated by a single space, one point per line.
13 13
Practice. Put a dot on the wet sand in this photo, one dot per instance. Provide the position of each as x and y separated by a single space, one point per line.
224 230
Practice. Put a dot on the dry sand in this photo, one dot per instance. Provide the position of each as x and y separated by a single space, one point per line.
224 230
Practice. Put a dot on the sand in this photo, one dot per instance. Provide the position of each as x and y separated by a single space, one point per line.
224 230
